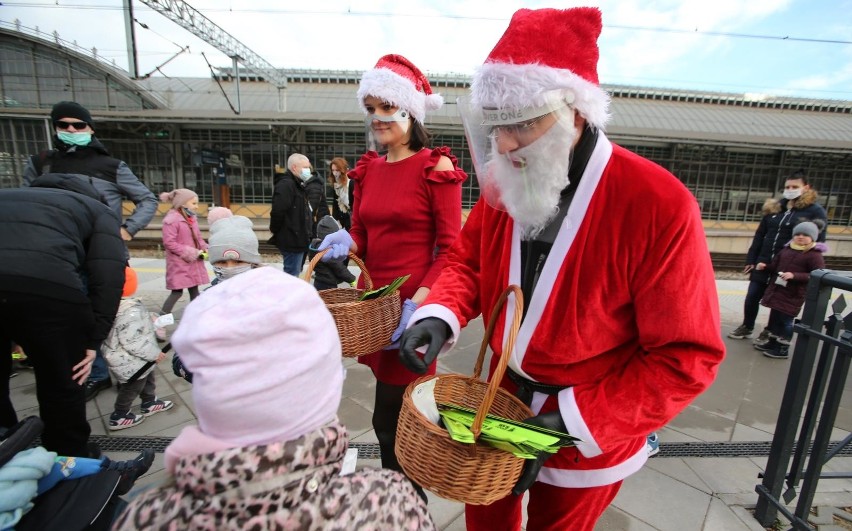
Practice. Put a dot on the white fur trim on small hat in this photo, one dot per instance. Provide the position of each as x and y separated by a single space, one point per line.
397 89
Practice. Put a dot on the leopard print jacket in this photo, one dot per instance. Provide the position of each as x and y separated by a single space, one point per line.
291 485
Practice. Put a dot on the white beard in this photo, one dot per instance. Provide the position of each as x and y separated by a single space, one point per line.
531 194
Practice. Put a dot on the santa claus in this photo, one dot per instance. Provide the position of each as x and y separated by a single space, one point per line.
621 326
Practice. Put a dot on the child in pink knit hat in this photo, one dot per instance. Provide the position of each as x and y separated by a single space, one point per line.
186 250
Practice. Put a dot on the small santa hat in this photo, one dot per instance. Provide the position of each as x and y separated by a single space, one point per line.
397 81
541 51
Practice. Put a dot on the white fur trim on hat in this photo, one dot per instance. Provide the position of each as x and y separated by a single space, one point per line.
508 85
545 50
397 81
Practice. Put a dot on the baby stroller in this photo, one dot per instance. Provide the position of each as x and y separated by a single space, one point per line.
86 503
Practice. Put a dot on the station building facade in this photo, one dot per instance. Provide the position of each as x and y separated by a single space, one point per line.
221 136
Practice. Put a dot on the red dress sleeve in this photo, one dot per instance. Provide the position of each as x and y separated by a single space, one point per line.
357 174
445 192
360 170
456 175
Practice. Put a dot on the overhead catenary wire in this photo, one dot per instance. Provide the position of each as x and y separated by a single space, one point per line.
146 27
235 111
348 12
808 84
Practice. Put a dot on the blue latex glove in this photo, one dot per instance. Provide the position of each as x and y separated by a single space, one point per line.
339 244
408 308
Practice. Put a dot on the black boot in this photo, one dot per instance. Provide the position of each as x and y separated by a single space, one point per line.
772 344
129 470
781 352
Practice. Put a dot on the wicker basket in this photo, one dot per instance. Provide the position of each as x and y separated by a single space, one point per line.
364 326
469 473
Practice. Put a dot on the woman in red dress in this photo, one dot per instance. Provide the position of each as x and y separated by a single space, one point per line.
406 214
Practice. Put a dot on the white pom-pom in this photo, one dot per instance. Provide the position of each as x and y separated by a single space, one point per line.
434 102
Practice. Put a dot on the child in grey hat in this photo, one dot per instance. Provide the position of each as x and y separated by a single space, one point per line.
790 271
233 247
328 275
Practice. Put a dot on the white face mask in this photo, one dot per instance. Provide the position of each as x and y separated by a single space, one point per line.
793 193
224 273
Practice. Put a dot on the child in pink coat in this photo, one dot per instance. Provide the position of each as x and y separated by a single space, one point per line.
186 250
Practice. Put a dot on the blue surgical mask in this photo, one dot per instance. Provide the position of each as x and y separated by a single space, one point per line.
306 174
75 139
188 212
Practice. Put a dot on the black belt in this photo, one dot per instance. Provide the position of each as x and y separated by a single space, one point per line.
526 387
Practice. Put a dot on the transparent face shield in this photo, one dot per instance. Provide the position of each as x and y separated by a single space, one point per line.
512 147
400 116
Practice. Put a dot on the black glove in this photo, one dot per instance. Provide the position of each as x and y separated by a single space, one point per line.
431 331
552 421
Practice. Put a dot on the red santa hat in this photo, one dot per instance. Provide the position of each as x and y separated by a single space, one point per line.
541 51
397 81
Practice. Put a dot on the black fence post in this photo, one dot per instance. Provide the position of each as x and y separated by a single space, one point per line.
809 337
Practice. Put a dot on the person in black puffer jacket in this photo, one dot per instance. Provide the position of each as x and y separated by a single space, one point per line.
774 232
328 275
78 151
54 234
290 217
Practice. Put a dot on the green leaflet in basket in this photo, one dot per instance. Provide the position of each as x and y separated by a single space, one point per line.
522 440
495 435
457 430
385 290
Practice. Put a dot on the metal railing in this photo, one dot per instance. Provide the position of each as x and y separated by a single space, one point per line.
822 353
53 38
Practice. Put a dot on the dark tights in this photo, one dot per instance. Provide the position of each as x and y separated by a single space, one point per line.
385 420
175 295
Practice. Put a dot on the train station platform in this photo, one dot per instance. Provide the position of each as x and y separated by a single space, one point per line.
704 477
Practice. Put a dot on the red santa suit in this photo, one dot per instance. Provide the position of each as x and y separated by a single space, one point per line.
625 313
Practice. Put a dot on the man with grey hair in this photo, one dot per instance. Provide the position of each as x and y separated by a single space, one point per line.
290 218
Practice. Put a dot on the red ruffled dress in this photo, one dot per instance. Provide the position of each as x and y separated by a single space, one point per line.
405 217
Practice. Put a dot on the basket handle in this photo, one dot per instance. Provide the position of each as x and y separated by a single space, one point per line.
497 377
368 282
